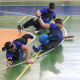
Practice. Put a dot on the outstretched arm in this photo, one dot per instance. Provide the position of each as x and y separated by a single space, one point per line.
44 25
27 53
64 37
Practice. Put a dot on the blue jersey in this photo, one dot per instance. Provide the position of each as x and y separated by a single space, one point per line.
53 27
47 15
18 53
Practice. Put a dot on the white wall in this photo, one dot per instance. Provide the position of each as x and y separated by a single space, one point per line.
34 0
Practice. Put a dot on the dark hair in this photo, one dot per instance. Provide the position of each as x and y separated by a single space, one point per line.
18 26
6 46
58 20
51 5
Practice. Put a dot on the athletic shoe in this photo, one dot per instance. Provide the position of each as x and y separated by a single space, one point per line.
38 31
35 48
20 28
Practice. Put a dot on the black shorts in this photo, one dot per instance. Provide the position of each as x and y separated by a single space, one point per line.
31 22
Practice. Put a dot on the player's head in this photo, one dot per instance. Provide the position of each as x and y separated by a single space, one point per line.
59 22
9 46
51 6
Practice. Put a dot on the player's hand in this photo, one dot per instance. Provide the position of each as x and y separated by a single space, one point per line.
27 61
70 36
9 63
38 14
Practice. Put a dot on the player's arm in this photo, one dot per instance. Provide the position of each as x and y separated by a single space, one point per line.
9 62
44 25
55 19
27 53
64 37
37 12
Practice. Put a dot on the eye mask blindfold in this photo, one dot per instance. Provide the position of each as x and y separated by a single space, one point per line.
60 22
51 7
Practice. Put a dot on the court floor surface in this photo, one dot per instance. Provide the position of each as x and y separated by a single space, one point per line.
62 63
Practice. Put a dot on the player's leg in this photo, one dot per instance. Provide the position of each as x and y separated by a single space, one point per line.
26 24
49 45
53 42
39 28
31 22
24 38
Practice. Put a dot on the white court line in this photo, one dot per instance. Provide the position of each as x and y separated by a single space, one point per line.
32 15
17 13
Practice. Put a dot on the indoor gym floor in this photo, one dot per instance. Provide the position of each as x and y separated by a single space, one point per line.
62 63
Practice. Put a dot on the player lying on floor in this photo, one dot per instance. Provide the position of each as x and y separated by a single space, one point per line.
54 30
14 50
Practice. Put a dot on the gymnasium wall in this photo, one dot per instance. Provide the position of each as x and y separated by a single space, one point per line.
34 0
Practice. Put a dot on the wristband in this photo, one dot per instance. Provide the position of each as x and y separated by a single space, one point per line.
38 17
9 60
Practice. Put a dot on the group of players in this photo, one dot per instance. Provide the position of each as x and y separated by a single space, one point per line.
14 50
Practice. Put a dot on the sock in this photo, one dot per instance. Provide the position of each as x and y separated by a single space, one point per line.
40 47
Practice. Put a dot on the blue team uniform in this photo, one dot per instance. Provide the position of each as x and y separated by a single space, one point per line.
53 27
47 16
53 42
11 54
